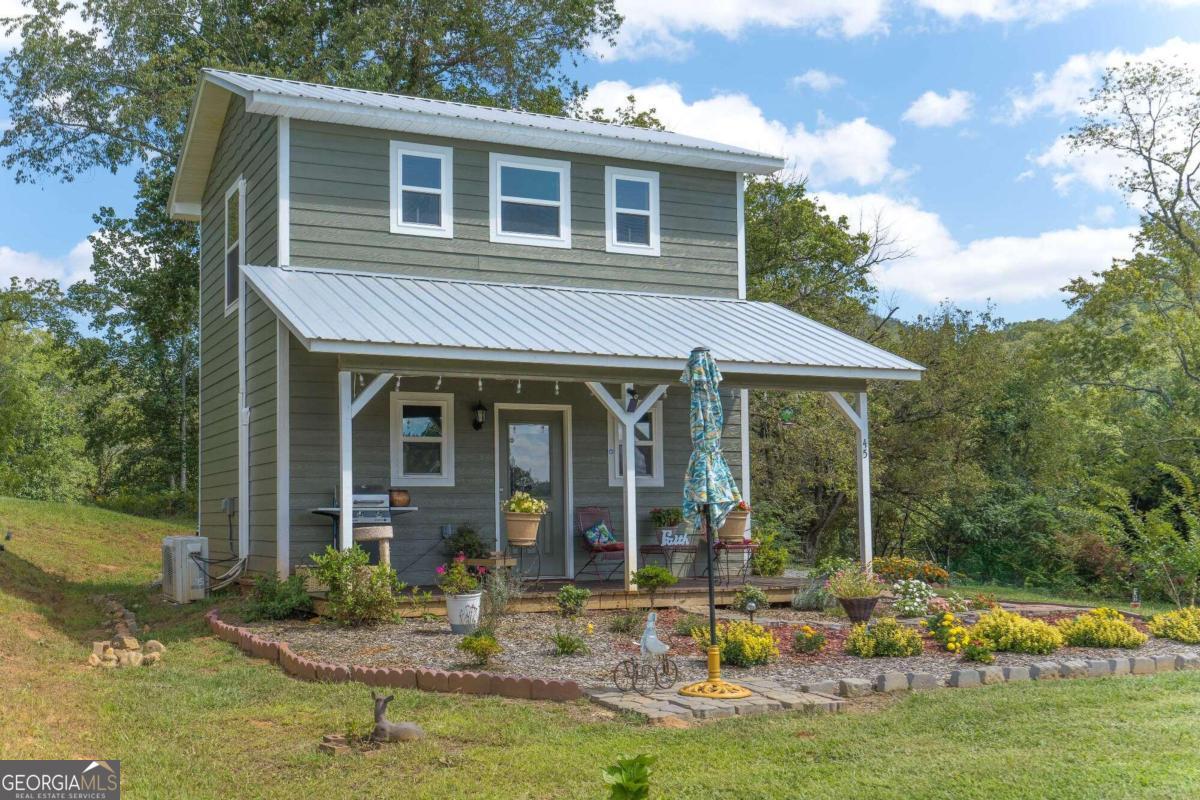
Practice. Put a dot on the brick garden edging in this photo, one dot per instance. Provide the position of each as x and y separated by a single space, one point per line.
429 680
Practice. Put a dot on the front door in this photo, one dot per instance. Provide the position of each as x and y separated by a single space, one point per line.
531 461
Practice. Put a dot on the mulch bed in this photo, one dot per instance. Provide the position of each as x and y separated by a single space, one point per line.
528 650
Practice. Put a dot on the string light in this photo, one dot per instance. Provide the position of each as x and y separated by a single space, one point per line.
481 384
556 388
518 385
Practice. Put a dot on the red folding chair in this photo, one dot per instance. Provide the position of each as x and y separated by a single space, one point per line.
585 518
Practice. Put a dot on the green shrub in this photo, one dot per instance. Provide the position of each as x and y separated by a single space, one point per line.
742 643
358 593
1182 625
572 600
1009 632
978 650
651 578
853 583
481 646
690 622
887 638
567 643
809 640
626 623
750 594
272 598
771 557
814 598
665 517
629 778
1100 627
466 541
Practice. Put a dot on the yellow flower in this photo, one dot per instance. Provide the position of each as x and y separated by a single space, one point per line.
591 628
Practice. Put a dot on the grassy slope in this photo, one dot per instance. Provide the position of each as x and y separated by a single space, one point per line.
1020 594
211 723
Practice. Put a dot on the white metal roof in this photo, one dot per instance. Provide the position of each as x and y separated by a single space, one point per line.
362 313
321 103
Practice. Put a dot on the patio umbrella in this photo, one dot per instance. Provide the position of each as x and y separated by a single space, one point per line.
709 494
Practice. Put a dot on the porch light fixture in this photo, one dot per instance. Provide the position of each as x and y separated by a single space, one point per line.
632 405
479 416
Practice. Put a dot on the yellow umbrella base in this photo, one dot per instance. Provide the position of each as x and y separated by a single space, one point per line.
716 689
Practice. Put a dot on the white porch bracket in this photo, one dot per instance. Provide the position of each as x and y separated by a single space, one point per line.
348 407
857 414
627 420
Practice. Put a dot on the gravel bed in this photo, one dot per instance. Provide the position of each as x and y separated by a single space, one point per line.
529 651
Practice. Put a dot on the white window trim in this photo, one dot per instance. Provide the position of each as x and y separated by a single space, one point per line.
238 186
615 442
611 174
563 168
446 401
446 156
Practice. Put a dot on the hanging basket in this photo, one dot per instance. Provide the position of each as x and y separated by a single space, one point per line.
734 529
522 529
858 609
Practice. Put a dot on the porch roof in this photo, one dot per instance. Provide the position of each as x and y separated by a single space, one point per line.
371 314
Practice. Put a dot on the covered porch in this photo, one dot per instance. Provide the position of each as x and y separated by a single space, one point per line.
494 387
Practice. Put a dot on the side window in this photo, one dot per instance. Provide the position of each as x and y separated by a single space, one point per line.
235 241
422 439
648 448
631 211
422 189
530 200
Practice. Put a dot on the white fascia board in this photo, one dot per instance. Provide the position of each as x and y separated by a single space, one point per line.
189 212
507 133
600 361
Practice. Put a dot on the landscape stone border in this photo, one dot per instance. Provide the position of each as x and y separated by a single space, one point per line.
428 680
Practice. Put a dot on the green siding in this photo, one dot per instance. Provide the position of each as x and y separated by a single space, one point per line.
340 216
247 147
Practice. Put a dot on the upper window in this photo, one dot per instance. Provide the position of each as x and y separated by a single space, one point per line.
631 211
422 439
235 241
647 446
422 182
530 200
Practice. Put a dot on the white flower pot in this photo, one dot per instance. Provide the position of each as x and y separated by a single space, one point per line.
462 610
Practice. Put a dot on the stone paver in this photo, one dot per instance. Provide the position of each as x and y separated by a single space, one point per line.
1015 674
1142 665
891 682
991 675
1098 667
1074 668
854 687
668 703
1119 666
1188 661
1045 670
964 678
820 687
1164 663
920 681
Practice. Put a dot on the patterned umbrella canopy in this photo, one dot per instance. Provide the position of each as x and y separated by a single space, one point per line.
709 481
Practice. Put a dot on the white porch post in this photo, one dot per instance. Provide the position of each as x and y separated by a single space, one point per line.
345 459
857 415
627 420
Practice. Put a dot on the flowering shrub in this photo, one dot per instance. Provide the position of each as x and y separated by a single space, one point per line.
886 638
1101 627
743 644
895 568
1006 631
524 503
480 645
912 597
978 650
455 578
1182 625
809 640
851 583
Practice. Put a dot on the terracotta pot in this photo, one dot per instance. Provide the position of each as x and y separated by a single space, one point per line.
858 609
734 529
399 498
522 529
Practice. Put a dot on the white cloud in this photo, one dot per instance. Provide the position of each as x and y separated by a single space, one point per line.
1000 268
75 266
1094 169
1063 92
17 8
817 80
660 27
933 110
855 151
1104 214
1005 10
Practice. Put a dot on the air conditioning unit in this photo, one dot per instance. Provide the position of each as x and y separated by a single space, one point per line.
182 579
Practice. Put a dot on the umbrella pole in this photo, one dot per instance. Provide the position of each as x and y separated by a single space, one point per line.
713 686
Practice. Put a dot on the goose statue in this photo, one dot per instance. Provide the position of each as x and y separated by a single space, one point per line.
650 644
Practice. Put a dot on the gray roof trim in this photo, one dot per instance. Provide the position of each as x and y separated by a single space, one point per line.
380 314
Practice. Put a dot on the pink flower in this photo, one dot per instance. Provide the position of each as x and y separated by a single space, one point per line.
461 557
441 570
481 570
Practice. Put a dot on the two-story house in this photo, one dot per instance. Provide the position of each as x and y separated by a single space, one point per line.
466 301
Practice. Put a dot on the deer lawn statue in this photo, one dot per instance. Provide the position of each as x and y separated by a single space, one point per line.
386 731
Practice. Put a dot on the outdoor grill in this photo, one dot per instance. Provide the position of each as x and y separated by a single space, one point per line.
372 518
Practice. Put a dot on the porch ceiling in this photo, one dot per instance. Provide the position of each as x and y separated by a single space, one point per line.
566 333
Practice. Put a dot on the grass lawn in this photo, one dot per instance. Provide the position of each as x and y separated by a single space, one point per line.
211 723
1021 594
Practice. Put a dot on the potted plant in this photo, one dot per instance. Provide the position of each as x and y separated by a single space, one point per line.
461 589
522 517
734 529
857 590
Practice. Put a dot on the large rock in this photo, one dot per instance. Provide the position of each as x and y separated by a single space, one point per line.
129 658
154 646
991 675
151 658
854 687
93 660
98 648
890 682
964 678
125 643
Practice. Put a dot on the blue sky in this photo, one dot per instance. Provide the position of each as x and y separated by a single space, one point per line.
939 118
